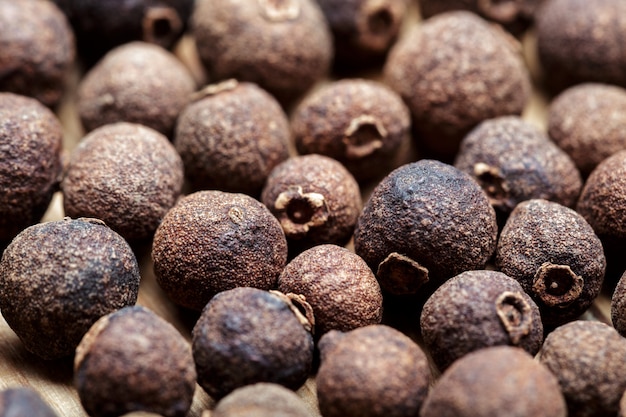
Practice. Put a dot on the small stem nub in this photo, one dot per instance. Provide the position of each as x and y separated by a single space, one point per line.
214 89
300 307
364 136
492 182
298 211
557 285
161 25
515 315
280 10
401 275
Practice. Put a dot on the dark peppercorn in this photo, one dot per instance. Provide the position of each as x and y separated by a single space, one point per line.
125 174
30 162
454 71
261 400
23 402
618 306
479 309
58 278
361 123
588 359
374 371
246 335
496 381
213 241
232 137
133 360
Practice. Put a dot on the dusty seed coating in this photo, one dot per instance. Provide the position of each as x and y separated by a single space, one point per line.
18 402
618 308
261 400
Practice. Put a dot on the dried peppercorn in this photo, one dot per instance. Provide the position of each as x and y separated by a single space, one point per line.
213 241
30 162
22 401
246 335
133 360
58 278
361 123
261 400
232 137
373 371
588 360
479 309
618 306
493 381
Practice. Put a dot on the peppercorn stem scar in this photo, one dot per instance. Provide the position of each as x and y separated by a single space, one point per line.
515 315
161 25
363 136
298 304
500 10
400 274
280 10
557 285
299 211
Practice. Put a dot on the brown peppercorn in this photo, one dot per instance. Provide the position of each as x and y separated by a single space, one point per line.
36 49
618 306
30 162
454 71
588 121
496 381
22 401
622 406
125 174
232 137
138 83
361 123
479 309
261 400
373 371
58 278
589 360
283 46
424 223
315 199
246 335
133 360
212 241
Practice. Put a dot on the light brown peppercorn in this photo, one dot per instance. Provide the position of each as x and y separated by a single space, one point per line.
622 406
125 174
23 402
133 360
212 241
58 278
618 307
261 400
232 137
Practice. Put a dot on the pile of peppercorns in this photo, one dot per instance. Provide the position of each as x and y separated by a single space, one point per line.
483 241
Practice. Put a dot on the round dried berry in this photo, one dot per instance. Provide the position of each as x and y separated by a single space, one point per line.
618 306
261 400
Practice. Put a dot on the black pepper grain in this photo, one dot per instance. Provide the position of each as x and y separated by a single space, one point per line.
261 400
22 401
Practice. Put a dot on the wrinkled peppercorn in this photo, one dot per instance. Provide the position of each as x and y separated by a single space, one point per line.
23 402
261 400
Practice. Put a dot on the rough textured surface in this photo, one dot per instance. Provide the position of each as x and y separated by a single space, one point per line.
133 360
245 336
588 122
138 83
361 123
58 278
30 162
213 241
424 223
454 71
618 307
588 358
284 46
261 400
374 371
232 137
125 174
339 286
495 381
479 309
23 402
36 49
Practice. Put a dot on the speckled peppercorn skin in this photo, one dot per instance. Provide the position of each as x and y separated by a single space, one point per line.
284 46
373 371
361 123
232 137
588 121
247 335
493 381
261 400
133 360
454 71
22 401
588 360
138 83
618 308
58 278
479 309
36 49
125 174
212 241
30 162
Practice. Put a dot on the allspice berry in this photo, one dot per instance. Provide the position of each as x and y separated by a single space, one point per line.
58 278
373 371
22 401
588 359
133 360
213 241
232 137
454 71
137 82
283 46
479 309
30 161
125 174
261 400
618 306
361 123
246 335
495 381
